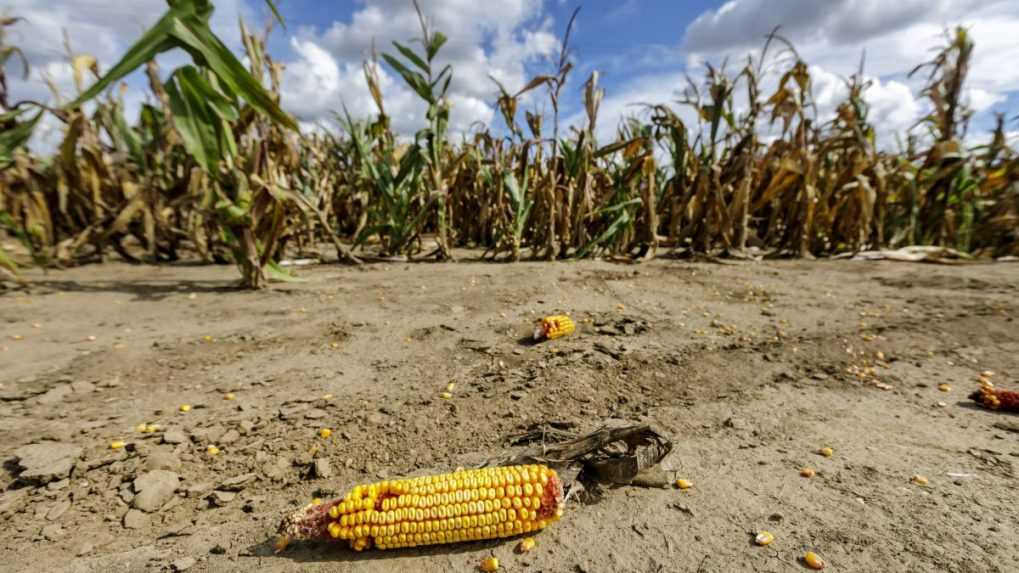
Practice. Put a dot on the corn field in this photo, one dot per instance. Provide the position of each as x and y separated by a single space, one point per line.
213 168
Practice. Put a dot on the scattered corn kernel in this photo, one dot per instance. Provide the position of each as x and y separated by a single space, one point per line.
987 373
684 484
140 428
813 560
944 387
185 407
17 337
826 452
90 338
327 397
526 544
490 564
229 396
212 450
207 338
764 538
451 386
808 472
325 433
919 480
117 444
151 428
446 395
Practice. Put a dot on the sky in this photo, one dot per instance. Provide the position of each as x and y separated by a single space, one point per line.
643 51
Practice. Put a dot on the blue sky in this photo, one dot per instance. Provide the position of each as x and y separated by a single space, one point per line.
641 48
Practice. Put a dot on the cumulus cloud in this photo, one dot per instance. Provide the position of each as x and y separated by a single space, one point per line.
485 38
895 36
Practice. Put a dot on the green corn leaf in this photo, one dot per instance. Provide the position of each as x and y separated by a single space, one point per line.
438 40
196 123
276 13
12 139
416 81
414 58
205 47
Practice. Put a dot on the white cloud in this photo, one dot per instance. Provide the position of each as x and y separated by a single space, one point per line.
101 28
499 39
896 36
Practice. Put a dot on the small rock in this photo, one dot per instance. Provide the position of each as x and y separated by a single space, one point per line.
154 489
199 489
230 437
246 427
46 462
174 437
84 549
517 395
135 519
183 564
161 460
321 469
291 410
376 419
82 387
12 501
237 483
58 510
52 532
58 485
315 414
55 395
221 498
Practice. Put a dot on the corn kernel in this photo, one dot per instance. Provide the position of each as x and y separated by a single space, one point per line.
185 408
684 484
919 480
229 396
764 538
813 561
490 564
140 428
807 472
117 444
526 544
325 433
151 428
212 450
445 395
944 387
826 452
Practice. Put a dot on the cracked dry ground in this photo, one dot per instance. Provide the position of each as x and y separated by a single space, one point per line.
749 368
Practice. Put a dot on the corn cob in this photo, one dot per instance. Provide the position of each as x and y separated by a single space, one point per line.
994 399
465 505
552 327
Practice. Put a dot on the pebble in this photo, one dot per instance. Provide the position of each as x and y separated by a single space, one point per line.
183 564
52 532
237 483
174 437
162 460
230 437
135 519
58 510
322 469
221 498
46 462
154 489
82 387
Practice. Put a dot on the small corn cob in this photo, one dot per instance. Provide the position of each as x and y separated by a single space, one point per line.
465 505
552 327
991 398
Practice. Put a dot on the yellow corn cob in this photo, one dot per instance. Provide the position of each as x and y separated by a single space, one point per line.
465 505
552 327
